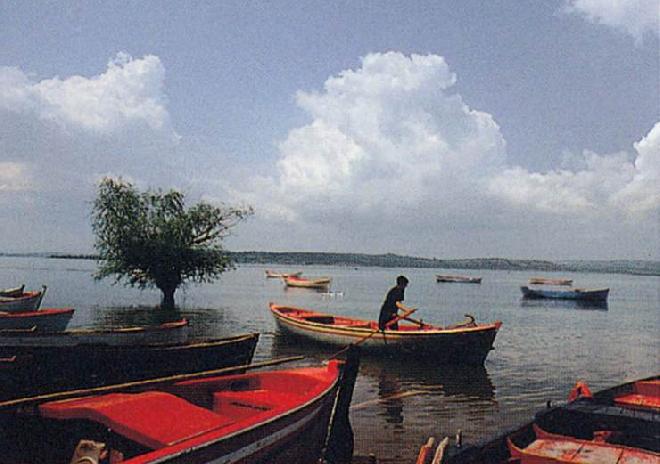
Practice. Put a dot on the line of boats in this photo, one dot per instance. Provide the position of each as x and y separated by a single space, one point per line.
153 394
537 288
619 425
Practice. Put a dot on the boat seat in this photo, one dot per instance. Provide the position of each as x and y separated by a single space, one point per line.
645 394
153 419
252 401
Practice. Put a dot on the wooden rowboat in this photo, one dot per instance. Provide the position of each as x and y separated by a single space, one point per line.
466 343
546 281
26 301
458 279
301 282
42 369
599 294
617 425
169 333
43 320
275 417
272 274
12 292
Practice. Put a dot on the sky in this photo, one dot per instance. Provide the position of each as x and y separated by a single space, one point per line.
518 129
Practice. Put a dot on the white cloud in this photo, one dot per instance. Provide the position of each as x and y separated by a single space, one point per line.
605 183
387 136
392 151
130 91
58 135
13 177
642 193
634 17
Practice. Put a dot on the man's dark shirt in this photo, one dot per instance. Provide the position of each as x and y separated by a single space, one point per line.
388 310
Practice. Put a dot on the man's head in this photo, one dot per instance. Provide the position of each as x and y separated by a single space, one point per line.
401 281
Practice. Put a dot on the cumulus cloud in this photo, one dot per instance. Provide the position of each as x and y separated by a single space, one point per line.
605 182
634 17
391 150
391 136
129 91
386 137
58 135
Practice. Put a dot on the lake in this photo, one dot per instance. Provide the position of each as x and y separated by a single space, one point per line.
541 350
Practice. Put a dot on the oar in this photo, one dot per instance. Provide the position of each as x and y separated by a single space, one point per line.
389 324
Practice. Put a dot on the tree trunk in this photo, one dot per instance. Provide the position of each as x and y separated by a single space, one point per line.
168 298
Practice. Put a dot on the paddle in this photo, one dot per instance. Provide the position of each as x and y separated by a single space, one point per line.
389 324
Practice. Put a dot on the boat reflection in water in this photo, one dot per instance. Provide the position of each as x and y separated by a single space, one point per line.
600 305
397 402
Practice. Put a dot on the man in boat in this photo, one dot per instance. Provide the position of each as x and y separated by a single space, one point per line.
393 303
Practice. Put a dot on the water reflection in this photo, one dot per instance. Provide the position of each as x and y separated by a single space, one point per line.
203 323
600 305
471 382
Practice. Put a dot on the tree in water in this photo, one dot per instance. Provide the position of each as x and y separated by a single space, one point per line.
150 239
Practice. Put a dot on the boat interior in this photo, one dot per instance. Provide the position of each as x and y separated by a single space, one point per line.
130 424
600 426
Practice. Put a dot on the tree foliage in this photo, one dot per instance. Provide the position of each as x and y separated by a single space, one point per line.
150 239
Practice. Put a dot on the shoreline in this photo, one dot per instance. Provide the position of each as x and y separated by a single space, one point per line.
389 260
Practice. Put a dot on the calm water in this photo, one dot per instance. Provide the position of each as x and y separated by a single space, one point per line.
542 348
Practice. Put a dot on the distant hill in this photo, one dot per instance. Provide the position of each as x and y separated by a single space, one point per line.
635 267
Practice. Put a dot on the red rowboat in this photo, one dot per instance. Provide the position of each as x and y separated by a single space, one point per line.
25 301
301 282
553 448
44 320
267 417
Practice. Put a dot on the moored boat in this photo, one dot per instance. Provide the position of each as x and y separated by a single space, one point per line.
13 292
548 281
279 275
43 320
273 417
466 343
598 294
169 333
599 429
458 279
25 301
41 369
301 282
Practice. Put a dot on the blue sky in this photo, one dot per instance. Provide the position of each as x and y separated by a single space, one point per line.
516 129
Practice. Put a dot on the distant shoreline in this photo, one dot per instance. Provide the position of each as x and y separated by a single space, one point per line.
389 260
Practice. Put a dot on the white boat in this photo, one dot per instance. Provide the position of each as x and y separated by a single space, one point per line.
164 334
26 301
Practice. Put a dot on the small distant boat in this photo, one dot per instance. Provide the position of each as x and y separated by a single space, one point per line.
301 282
43 320
275 417
12 292
546 281
615 425
163 334
599 294
25 301
458 279
465 343
272 274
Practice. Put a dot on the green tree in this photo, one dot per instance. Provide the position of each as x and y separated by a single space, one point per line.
150 239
